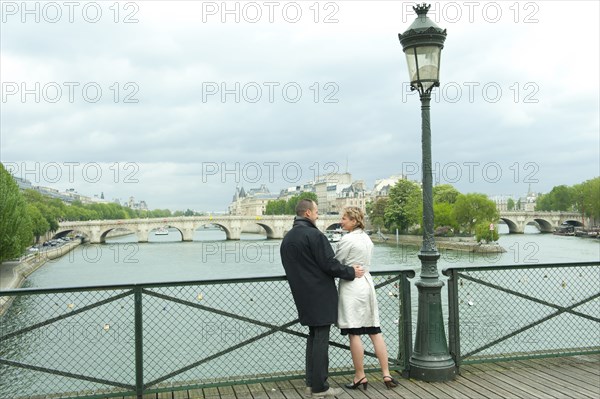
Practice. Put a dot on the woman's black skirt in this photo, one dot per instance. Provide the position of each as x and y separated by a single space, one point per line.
360 331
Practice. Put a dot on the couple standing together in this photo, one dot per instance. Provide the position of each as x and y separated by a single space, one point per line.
311 266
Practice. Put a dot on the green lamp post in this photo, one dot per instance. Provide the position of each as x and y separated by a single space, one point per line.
422 43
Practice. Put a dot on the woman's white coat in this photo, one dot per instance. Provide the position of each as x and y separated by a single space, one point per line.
357 305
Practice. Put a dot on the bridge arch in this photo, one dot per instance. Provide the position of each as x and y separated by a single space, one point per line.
572 222
513 228
268 229
333 226
104 234
544 225
223 226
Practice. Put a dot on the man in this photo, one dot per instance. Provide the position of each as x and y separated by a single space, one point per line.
310 266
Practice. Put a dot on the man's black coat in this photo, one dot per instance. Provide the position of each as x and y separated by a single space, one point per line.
310 266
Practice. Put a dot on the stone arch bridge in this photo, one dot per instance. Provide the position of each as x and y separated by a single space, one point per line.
547 221
275 226
95 231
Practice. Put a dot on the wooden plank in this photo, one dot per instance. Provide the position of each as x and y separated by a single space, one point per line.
299 385
196 394
272 390
165 395
591 368
226 392
242 391
181 394
432 390
257 391
502 388
406 389
344 379
523 381
211 392
581 378
559 381
456 389
288 390
507 377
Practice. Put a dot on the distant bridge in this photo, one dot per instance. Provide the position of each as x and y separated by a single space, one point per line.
547 221
274 226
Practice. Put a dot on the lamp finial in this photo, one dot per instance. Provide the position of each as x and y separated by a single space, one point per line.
421 9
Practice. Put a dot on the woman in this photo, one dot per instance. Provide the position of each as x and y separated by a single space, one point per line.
358 313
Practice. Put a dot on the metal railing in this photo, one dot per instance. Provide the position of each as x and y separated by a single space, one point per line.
120 340
523 311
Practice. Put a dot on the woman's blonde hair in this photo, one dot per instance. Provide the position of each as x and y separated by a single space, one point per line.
355 213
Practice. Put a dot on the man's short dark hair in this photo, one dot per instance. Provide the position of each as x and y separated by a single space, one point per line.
304 205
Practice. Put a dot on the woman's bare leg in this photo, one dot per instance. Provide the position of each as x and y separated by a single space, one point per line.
380 352
357 351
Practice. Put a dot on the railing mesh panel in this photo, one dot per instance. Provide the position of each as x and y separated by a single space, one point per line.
77 338
524 312
195 334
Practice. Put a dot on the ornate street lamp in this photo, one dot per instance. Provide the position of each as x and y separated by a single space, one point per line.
422 43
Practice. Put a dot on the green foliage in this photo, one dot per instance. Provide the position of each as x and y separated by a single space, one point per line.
376 212
404 207
444 216
445 193
290 207
39 223
16 231
510 204
561 198
483 233
276 207
473 209
586 197
283 207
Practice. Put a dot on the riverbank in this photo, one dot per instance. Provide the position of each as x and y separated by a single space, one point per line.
14 273
464 244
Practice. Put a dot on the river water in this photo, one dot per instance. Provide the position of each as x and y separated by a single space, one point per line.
210 256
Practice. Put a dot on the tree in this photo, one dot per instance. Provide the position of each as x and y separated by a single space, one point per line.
276 207
560 198
376 212
445 193
586 198
484 233
510 204
444 216
404 207
39 224
473 209
290 207
16 232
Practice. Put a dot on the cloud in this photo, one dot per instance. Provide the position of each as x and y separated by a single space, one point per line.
176 89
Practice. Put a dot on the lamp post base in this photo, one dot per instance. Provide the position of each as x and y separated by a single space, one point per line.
433 371
430 360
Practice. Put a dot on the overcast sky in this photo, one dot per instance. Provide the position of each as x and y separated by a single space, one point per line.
177 103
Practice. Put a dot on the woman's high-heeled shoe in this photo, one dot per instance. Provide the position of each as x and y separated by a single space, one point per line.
390 382
354 385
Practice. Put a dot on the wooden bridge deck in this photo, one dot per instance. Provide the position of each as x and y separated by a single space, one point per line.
559 377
